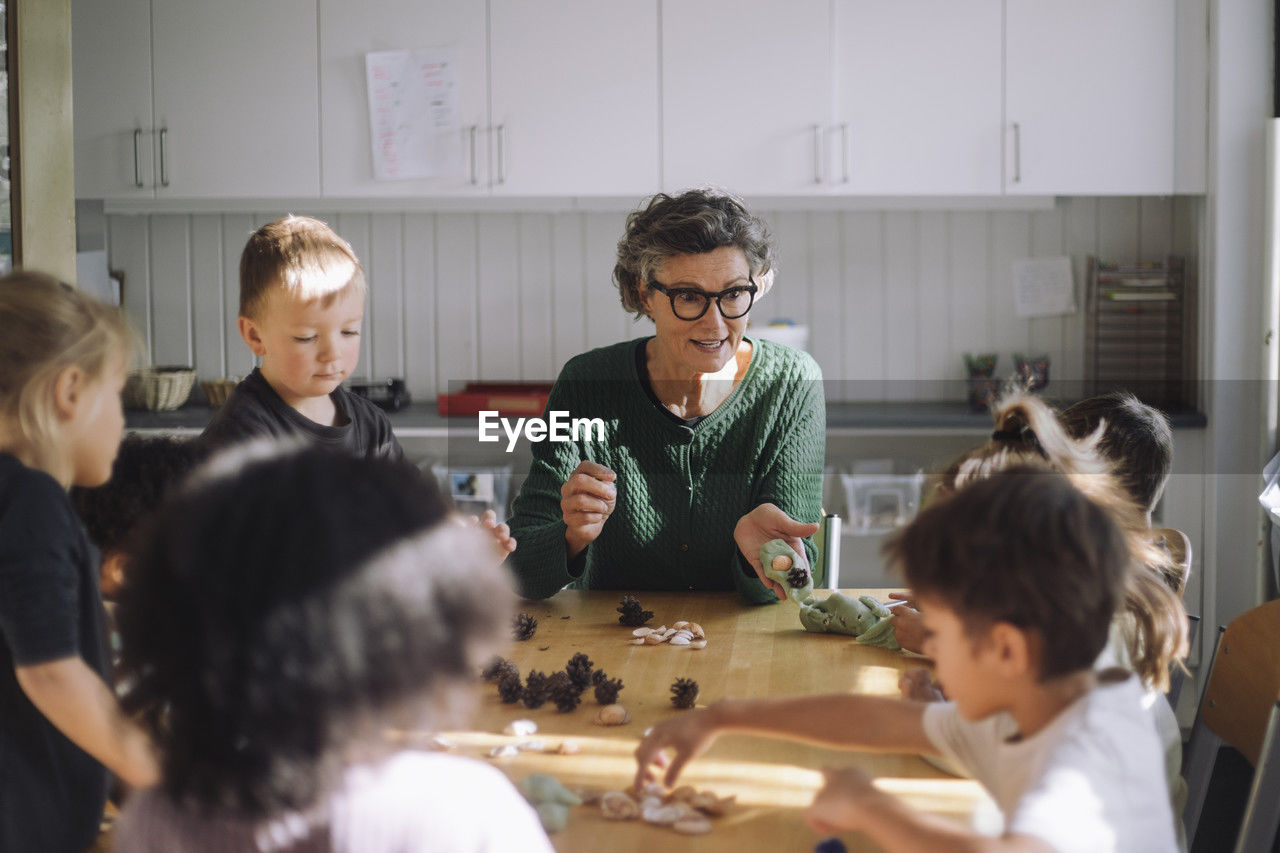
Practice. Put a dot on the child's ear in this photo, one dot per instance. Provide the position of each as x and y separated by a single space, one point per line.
1016 651
252 337
68 389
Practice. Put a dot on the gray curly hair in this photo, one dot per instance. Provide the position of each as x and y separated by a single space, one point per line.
691 223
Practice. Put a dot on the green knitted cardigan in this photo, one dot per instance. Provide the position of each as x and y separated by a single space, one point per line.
681 490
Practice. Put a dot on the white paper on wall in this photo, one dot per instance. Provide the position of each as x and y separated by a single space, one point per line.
1043 287
413 111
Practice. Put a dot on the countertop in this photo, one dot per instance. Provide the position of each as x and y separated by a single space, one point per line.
422 419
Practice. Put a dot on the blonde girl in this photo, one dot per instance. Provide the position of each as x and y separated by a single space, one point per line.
63 358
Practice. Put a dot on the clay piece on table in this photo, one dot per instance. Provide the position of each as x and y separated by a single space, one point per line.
523 626
863 618
633 613
613 715
684 693
549 799
782 564
618 805
520 728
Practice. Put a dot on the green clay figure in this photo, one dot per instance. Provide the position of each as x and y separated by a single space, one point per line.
863 618
549 799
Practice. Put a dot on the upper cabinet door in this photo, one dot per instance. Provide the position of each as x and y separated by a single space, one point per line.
111 91
235 98
574 97
918 106
349 31
1089 95
746 95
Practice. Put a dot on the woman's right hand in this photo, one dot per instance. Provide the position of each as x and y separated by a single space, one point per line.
587 499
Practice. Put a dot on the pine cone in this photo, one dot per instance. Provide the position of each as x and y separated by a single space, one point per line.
608 689
524 626
579 670
497 668
684 693
798 577
565 694
598 676
535 689
510 690
633 615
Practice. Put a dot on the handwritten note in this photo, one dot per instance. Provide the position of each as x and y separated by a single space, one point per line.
1043 287
413 112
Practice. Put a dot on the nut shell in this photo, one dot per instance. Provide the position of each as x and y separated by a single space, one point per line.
618 805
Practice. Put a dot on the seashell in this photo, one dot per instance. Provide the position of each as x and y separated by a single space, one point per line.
683 794
441 744
654 639
694 824
618 805
660 629
679 625
520 728
568 747
697 630
652 789
613 715
680 639
506 750
709 804
688 635
642 632
531 746
589 796
662 815
697 644
637 641
668 634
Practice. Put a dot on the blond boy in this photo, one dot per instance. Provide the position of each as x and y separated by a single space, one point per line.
302 293
1020 575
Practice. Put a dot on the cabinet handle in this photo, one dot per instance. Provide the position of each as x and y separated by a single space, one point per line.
471 133
1017 153
817 153
137 162
502 154
844 152
164 171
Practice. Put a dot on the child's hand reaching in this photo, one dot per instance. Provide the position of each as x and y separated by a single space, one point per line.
839 805
501 533
688 736
917 685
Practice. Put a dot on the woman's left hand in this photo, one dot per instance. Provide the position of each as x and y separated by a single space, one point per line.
764 523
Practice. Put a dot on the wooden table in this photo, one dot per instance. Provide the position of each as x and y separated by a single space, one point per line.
751 651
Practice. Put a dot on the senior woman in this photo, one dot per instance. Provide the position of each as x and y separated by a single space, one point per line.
713 442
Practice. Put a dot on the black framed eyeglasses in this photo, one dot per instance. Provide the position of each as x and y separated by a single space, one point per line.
689 303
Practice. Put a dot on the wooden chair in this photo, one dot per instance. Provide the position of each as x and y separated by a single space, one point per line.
1241 708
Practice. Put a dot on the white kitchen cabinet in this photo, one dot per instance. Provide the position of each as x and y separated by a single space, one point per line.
746 95
348 31
574 97
1089 97
111 98
917 98
195 100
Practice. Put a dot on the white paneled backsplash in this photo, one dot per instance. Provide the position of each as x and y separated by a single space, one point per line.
894 295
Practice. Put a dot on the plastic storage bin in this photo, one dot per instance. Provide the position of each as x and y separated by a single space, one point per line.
877 503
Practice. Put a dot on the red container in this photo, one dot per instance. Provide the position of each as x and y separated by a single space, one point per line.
505 398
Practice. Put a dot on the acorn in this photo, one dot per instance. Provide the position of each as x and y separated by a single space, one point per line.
684 693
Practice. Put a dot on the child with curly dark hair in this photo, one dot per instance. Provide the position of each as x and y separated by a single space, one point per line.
288 608
145 470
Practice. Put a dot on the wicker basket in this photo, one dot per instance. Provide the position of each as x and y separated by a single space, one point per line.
218 390
159 389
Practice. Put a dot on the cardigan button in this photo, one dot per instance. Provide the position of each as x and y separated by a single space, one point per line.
684 547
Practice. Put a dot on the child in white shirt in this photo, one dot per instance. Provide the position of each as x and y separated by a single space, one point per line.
1019 576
